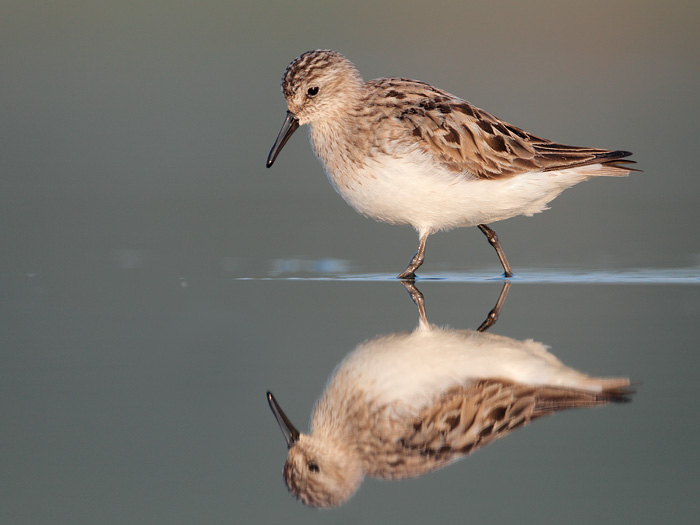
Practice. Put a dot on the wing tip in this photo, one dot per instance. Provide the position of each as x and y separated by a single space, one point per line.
615 163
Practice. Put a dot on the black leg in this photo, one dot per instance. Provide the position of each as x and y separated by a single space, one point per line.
493 240
496 311
410 272
417 298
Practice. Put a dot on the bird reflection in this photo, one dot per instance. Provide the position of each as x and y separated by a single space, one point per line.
404 404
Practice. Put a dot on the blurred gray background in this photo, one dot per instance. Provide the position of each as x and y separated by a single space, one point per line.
134 197
146 126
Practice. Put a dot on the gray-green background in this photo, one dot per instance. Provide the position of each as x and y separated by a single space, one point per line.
133 199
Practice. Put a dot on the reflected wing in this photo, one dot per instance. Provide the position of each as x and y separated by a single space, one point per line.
464 419
467 139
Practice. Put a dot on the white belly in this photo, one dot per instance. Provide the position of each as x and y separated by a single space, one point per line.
412 190
414 368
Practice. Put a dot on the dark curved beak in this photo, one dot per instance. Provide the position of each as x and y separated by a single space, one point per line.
291 123
290 433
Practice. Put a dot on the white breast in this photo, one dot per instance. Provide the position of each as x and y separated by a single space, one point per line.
416 191
413 368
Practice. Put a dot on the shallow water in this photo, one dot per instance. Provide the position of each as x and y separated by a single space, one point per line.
156 279
134 386
300 271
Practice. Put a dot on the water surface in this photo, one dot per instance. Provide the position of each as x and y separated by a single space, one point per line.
135 386
156 280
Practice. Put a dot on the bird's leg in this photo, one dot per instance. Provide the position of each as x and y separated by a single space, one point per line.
418 300
496 311
410 271
493 240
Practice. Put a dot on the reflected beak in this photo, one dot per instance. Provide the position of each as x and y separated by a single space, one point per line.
291 123
291 434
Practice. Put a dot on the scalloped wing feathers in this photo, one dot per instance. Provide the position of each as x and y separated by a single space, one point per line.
467 139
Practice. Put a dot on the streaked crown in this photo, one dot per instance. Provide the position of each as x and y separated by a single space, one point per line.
321 474
321 84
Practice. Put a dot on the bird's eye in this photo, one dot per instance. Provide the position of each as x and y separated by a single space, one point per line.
313 466
312 91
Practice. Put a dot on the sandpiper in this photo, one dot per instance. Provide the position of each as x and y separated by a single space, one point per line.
404 152
404 404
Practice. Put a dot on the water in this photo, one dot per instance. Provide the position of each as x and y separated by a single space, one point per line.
295 270
156 280
131 386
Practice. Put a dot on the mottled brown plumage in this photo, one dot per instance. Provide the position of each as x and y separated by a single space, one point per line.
469 140
404 152
402 405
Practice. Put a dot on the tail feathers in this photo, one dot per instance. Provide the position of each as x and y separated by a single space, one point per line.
614 164
601 392
612 389
590 161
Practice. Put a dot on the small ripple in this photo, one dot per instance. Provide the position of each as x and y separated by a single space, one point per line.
321 270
